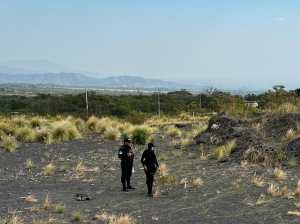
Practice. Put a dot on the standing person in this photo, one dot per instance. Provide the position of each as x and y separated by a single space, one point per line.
127 156
150 165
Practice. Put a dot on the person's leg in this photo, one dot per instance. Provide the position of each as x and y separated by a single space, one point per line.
123 176
128 178
151 178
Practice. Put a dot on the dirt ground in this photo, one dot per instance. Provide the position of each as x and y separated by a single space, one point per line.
226 197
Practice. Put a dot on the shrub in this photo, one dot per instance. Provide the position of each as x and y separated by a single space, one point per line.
29 164
76 216
225 150
279 174
25 134
9 143
112 134
172 131
80 124
65 131
92 123
49 170
102 125
140 135
290 134
36 122
7 129
59 208
43 135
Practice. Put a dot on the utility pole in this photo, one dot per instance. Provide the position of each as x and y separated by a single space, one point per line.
87 103
158 102
200 102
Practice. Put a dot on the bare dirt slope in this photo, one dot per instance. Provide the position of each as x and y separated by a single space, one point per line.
226 197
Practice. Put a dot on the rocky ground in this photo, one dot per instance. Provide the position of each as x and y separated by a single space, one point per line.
225 194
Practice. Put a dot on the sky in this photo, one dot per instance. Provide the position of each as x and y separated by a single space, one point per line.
223 43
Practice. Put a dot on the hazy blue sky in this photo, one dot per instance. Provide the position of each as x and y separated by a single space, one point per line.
227 43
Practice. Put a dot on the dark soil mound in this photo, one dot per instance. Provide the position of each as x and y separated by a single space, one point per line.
221 129
277 126
293 148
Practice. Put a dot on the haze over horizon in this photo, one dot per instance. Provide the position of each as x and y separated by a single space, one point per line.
227 44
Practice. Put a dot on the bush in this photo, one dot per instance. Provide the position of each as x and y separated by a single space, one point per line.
65 131
140 135
112 134
92 123
225 150
35 122
43 136
172 131
25 135
9 143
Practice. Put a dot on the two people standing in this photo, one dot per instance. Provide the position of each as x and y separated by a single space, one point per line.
148 160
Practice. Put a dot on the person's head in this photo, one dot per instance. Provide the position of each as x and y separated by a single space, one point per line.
127 141
150 146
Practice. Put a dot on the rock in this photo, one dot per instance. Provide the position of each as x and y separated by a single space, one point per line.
203 138
293 148
181 125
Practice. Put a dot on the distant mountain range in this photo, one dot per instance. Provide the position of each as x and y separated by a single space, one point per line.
80 80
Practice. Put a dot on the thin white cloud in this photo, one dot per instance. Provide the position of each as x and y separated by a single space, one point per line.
280 19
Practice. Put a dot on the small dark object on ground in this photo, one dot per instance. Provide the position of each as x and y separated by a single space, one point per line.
82 197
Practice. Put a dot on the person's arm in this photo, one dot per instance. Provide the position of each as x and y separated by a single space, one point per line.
143 158
121 154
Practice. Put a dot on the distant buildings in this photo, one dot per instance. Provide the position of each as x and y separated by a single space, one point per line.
252 104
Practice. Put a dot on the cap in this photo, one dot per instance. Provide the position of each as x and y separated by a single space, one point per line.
127 140
150 145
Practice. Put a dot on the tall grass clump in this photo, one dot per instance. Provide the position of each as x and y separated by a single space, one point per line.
140 135
36 122
103 124
224 150
8 129
65 131
91 123
43 136
25 134
173 132
112 134
9 143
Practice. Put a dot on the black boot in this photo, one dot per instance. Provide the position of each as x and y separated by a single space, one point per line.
124 188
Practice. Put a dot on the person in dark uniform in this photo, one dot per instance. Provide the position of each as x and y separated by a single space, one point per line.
150 165
126 156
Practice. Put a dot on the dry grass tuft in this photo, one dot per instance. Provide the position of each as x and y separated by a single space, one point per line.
9 143
92 123
290 134
25 134
30 199
29 164
173 132
49 169
258 181
279 174
46 204
294 213
203 156
12 219
163 170
274 190
197 182
112 134
64 131
225 150
113 219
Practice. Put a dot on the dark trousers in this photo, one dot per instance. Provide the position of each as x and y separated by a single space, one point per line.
149 181
126 173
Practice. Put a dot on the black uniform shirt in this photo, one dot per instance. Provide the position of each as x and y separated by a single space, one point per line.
149 160
124 153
